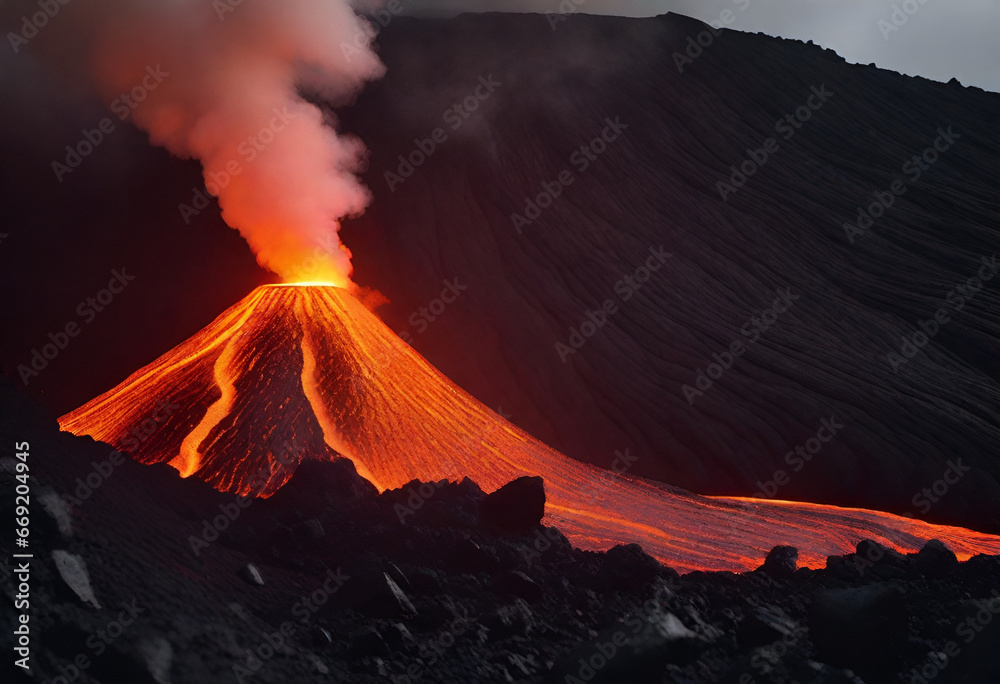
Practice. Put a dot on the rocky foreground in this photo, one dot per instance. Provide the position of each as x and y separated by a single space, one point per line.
140 576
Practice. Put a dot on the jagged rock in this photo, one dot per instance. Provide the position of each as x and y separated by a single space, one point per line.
627 567
367 642
433 617
516 583
56 507
935 559
884 563
862 628
397 575
515 619
397 635
125 661
73 571
318 485
371 591
425 581
516 507
158 655
753 632
766 624
466 555
320 637
635 651
250 574
780 562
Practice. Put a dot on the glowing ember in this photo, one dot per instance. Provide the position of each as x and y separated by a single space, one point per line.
310 368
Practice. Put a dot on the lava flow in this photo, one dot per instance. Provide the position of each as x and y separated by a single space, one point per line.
295 372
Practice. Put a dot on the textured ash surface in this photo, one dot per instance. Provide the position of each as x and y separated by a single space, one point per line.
436 596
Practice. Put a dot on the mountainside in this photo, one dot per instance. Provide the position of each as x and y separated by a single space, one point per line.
306 372
655 184
481 117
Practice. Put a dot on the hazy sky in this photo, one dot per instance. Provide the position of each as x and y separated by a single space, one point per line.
941 39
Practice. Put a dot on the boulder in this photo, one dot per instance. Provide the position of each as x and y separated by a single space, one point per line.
780 562
516 507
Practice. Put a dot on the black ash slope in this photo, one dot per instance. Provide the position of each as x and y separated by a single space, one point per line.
656 184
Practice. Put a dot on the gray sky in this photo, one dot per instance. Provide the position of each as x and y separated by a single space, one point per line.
940 40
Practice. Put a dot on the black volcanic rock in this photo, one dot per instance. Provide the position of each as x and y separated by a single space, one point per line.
864 629
331 601
518 506
780 562
935 559
370 590
626 567
367 643
518 584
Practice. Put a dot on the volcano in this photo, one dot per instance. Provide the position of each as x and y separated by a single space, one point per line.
307 372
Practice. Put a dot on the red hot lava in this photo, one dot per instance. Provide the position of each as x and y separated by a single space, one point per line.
311 366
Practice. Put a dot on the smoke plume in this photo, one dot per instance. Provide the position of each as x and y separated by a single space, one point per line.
223 82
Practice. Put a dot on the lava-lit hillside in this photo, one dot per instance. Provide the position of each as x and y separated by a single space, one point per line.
295 372
656 184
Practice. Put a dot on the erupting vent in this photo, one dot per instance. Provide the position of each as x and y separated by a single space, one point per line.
296 372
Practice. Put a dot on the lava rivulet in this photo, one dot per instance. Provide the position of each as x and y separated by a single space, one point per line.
296 372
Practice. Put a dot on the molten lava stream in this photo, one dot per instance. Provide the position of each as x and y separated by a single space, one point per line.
310 366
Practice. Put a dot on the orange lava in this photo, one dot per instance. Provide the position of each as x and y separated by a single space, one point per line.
308 372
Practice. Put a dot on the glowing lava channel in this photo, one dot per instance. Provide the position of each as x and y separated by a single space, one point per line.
330 376
188 460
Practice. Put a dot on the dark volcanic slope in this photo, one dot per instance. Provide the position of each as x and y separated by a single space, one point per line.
656 184
298 373
361 588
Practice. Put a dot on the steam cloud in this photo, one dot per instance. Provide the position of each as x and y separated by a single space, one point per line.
230 97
